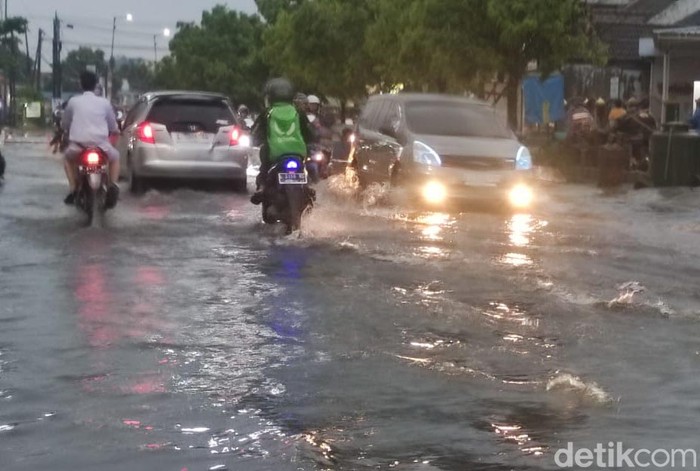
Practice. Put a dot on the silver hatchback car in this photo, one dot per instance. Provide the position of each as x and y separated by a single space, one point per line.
183 134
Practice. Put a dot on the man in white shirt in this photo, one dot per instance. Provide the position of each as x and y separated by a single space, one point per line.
90 122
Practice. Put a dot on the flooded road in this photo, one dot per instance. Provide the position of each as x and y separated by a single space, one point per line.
185 335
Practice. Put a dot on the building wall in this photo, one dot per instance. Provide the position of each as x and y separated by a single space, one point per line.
683 72
624 81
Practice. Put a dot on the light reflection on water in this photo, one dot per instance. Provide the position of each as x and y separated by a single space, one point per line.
520 229
514 433
434 225
498 311
516 260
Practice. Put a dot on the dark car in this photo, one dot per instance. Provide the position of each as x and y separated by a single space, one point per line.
183 134
442 147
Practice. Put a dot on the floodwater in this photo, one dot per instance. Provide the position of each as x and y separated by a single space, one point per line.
185 335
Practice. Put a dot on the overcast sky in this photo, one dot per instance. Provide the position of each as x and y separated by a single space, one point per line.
92 22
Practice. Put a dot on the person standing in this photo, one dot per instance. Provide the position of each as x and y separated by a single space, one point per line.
695 119
616 112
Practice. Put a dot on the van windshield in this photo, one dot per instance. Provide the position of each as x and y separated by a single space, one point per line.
459 119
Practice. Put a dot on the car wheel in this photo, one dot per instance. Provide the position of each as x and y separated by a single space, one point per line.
137 185
240 185
395 176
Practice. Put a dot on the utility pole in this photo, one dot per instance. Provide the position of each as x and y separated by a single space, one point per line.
26 43
37 60
56 65
13 75
110 70
155 48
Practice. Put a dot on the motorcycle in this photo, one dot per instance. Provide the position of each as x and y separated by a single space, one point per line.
317 164
93 181
636 148
287 194
58 141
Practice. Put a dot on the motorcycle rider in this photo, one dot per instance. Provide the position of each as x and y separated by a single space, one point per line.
580 121
244 115
279 131
638 125
313 107
301 102
89 121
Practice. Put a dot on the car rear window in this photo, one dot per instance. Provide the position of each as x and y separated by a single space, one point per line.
443 118
191 115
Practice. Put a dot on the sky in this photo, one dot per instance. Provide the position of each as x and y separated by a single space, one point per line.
92 22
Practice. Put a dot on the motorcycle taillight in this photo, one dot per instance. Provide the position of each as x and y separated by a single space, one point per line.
92 158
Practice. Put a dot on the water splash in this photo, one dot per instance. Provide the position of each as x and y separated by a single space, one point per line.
627 292
567 382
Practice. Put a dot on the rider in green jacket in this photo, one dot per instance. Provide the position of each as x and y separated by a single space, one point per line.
281 130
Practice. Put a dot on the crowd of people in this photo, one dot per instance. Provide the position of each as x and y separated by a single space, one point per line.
593 123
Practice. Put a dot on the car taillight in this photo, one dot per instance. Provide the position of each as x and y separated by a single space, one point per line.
235 136
145 133
92 158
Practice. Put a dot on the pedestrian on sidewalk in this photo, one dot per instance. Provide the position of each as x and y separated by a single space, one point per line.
2 167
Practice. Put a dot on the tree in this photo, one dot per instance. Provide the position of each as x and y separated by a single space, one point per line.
428 44
320 46
548 32
270 9
11 58
222 54
460 44
78 61
137 72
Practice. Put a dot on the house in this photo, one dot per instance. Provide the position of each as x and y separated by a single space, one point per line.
641 35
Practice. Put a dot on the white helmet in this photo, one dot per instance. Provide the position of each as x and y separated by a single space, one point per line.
313 100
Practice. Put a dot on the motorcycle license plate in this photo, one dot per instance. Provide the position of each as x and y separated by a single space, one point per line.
292 178
94 169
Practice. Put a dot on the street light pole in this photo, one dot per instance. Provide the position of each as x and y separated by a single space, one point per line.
110 68
166 34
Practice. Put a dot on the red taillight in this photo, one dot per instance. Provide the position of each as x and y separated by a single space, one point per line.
145 133
92 158
235 136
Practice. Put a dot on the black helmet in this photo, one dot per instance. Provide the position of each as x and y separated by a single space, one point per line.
279 90
243 109
300 99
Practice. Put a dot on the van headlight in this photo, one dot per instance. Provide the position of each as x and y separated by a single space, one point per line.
523 160
521 196
434 192
424 155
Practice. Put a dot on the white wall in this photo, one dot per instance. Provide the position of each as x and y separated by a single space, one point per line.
684 72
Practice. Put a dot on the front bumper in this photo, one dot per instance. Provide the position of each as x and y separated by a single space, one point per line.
440 185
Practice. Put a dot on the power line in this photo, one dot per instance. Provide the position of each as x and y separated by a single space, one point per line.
83 20
108 30
128 47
